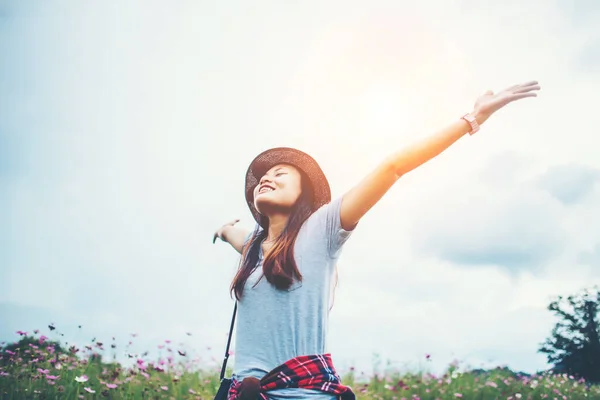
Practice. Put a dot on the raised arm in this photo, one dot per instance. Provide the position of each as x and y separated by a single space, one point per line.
361 198
233 235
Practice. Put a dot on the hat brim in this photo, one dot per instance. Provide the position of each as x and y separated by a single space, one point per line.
286 155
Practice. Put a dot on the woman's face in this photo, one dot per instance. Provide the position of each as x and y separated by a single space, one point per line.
278 190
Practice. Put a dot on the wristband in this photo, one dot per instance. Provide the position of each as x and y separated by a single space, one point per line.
472 121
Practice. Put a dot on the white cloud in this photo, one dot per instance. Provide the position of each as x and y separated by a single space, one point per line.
514 225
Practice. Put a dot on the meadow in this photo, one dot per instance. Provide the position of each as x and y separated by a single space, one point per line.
40 368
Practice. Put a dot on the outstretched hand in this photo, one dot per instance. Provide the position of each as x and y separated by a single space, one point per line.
489 103
219 232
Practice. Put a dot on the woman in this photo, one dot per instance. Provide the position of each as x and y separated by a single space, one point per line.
288 262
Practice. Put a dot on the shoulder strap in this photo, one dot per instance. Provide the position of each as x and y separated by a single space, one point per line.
228 343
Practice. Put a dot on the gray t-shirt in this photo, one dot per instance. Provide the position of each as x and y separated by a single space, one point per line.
274 326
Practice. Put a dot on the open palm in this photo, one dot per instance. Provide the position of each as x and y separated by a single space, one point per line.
490 102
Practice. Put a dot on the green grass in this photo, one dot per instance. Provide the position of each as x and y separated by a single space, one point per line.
36 370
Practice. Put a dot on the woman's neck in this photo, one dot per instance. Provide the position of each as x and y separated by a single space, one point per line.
276 226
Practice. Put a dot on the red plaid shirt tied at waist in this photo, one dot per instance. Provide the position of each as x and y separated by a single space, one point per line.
307 372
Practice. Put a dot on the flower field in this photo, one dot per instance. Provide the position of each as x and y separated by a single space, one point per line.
38 368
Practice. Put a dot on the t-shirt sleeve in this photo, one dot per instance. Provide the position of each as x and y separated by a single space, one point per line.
248 239
335 234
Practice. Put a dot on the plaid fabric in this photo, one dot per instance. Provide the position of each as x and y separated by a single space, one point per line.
307 372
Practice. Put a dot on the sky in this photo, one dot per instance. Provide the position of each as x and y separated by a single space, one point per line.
126 129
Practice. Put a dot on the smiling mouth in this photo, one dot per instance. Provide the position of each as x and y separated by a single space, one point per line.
265 189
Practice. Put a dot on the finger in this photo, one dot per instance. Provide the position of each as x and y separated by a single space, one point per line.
525 89
530 83
215 238
519 96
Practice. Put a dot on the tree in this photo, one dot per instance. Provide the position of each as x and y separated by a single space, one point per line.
24 349
574 345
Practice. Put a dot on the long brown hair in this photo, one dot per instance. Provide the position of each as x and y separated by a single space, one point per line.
279 265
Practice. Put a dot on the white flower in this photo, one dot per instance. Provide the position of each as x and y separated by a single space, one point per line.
534 384
81 379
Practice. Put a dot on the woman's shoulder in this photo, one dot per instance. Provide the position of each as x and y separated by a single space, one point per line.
323 217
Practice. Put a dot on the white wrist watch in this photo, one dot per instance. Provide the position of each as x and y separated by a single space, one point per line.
472 121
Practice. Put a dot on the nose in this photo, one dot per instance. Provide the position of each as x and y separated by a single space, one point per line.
264 179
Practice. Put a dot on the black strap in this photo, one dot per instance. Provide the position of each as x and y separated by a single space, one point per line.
228 343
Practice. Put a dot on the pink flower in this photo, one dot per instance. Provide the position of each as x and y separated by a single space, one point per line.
167 341
141 365
21 333
36 331
192 391
43 338
164 388
457 395
111 386
43 371
89 390
52 377
491 384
